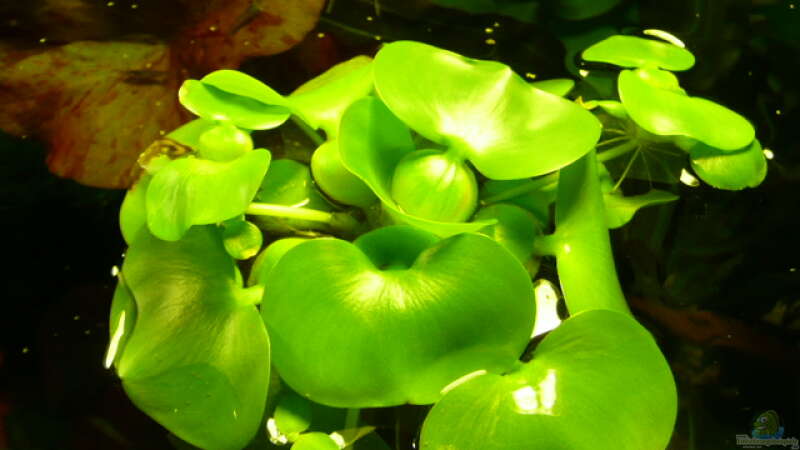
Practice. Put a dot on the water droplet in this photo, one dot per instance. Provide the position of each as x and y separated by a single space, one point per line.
768 153
114 271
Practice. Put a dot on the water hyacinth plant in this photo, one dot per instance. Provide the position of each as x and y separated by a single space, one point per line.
401 262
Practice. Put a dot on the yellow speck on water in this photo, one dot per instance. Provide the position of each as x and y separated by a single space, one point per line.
246 43
148 65
529 75
76 317
158 102
320 35
792 6
369 19
87 332
488 30
490 41
110 4
212 28
496 24
378 38
162 132
25 350
134 6
777 112
43 40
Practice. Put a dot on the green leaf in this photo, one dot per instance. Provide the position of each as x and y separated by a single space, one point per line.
292 414
620 209
197 360
223 142
556 86
537 201
505 127
516 229
372 143
369 327
243 85
212 103
269 258
636 52
121 321
133 212
730 170
664 112
321 101
190 191
242 239
189 133
597 382
315 441
336 180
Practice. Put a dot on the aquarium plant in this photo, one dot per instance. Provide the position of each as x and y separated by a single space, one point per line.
401 264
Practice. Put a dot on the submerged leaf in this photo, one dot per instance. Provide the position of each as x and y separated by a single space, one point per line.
620 209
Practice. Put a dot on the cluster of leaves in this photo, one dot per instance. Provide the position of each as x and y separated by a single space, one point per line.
444 170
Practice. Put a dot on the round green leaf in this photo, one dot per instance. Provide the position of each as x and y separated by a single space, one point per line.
242 239
635 52
372 143
212 103
223 142
315 441
516 229
336 180
665 112
505 127
730 170
292 413
620 209
190 191
197 359
321 101
189 133
368 327
597 382
269 258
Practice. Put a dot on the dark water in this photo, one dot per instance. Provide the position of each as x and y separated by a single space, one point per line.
715 276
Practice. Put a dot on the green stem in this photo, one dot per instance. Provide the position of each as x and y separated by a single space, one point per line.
582 246
617 151
310 132
351 421
289 212
625 172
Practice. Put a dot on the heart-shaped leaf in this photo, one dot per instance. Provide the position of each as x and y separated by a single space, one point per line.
212 103
620 209
730 170
505 127
636 52
372 142
191 191
396 316
664 112
597 382
197 359
321 101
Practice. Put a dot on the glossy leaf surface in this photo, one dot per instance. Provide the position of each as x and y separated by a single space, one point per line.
212 103
598 382
242 239
190 191
197 360
635 52
506 128
336 180
374 326
556 86
223 142
516 229
730 170
321 101
133 212
372 142
665 112
315 441
269 258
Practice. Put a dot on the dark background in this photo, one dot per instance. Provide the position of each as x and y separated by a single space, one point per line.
715 276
